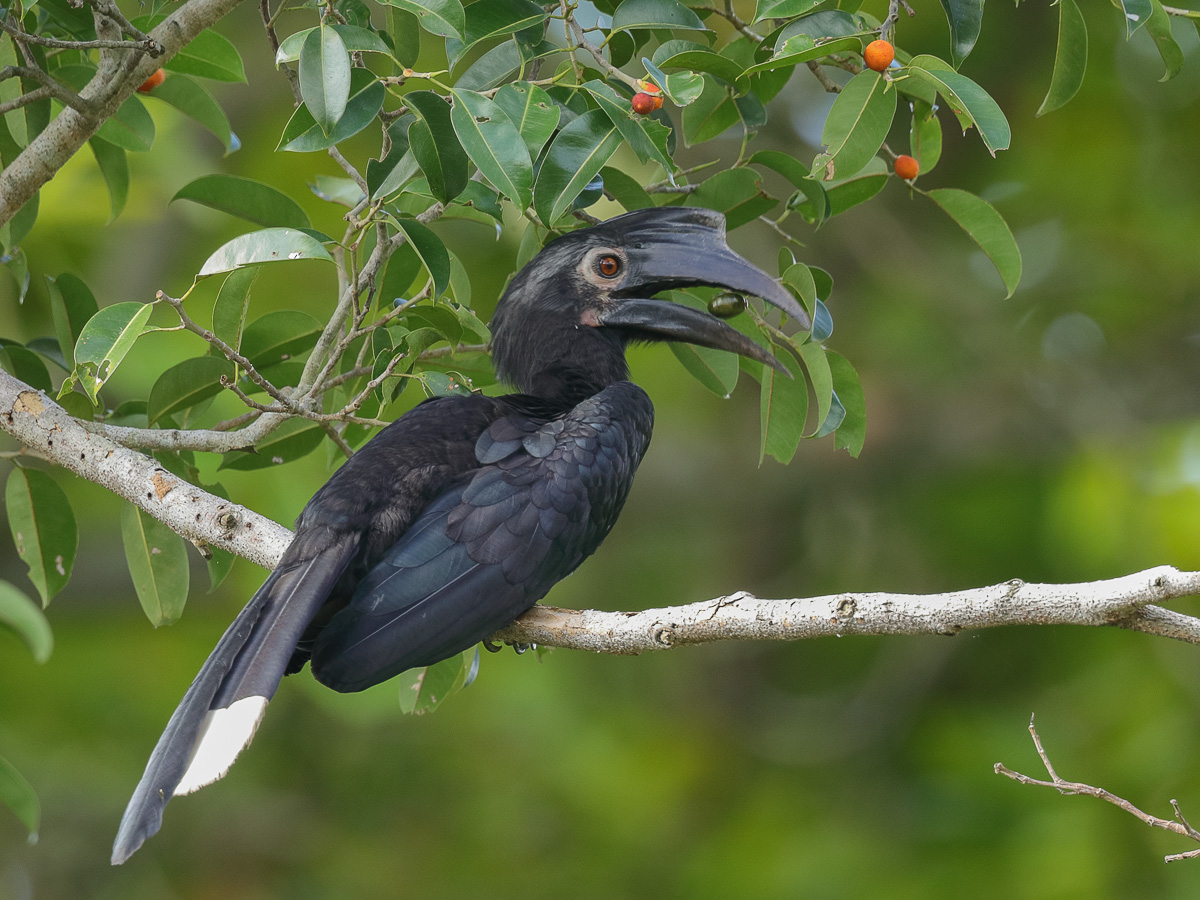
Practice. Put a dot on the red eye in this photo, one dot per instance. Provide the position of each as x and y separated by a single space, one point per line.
609 266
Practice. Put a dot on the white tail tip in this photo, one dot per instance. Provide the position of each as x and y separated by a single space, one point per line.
224 734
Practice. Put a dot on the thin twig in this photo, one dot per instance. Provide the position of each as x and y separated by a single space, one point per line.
1179 825
25 99
139 46
828 83
582 42
57 89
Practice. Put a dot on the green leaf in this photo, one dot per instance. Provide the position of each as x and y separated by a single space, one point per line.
695 58
816 197
496 18
158 564
1137 14
441 319
925 135
43 529
103 343
233 304
435 145
710 114
48 348
966 97
25 366
292 440
23 617
717 370
856 127
441 17
302 134
576 155
424 690
1070 59
130 128
782 9
532 111
655 14
279 336
208 55
965 18
493 68
853 191
246 198
783 407
1159 26
336 189
736 192
193 99
356 40
625 189
681 88
18 795
114 167
799 48
185 384
823 25
619 113
268 245
853 429
431 250
819 376
494 145
987 228
325 76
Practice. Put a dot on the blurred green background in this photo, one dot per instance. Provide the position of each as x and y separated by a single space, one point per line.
1054 436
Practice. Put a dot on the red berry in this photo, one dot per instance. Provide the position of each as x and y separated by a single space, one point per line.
643 103
907 168
879 55
153 81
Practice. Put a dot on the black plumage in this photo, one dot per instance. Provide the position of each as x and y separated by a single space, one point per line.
463 513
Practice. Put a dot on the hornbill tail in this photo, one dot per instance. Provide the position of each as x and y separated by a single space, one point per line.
221 710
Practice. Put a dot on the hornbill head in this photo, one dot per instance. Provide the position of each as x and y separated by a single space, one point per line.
590 292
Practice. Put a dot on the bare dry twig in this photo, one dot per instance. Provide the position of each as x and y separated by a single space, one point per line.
1179 825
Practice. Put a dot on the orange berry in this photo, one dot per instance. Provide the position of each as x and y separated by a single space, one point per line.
153 81
907 168
657 101
643 103
879 55
648 86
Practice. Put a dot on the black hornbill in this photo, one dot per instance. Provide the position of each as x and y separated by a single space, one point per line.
465 511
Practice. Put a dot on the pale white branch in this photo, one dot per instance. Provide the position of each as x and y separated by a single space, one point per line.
1127 602
42 425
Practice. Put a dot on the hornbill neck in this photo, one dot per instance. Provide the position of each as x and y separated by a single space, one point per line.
556 359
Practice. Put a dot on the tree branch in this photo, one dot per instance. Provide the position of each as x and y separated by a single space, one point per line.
71 129
44 426
1178 825
1126 602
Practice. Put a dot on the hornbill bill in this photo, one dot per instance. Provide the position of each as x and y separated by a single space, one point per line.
465 511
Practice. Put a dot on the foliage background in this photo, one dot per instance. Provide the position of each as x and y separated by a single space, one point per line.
1054 436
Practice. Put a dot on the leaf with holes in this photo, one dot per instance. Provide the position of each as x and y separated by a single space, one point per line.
268 245
578 152
43 529
494 144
